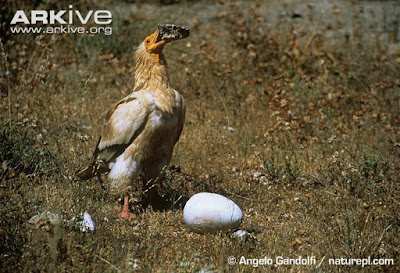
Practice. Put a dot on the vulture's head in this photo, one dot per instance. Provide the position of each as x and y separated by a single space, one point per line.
154 44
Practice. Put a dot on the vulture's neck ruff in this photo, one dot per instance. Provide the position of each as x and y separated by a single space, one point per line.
151 70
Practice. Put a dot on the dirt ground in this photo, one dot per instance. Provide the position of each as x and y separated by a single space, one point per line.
293 112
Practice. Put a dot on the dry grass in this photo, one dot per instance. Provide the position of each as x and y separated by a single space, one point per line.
312 103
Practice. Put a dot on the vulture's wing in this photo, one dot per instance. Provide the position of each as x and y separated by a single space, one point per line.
124 122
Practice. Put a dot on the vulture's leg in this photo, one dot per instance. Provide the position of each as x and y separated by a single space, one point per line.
126 213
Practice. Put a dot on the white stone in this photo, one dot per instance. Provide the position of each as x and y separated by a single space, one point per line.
209 212
239 234
45 217
87 223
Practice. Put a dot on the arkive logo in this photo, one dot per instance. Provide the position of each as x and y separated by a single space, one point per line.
61 21
100 17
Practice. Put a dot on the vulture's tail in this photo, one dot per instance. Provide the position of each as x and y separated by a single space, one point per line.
87 172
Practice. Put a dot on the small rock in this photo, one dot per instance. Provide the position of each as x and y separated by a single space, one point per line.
87 223
257 174
239 234
46 217
84 222
229 128
185 264
244 236
297 14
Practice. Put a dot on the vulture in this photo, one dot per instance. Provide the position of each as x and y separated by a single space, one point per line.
141 130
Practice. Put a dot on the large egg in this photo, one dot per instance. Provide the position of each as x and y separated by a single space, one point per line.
211 212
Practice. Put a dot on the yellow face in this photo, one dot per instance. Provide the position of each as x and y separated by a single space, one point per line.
153 47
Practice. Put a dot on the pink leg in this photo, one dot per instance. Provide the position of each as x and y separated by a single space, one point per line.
125 213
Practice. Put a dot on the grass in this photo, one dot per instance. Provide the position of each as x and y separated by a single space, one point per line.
310 104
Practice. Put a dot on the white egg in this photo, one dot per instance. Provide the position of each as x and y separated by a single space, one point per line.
211 212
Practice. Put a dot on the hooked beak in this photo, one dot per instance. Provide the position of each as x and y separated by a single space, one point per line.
158 44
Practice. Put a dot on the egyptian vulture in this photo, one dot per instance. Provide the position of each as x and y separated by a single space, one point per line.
142 129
